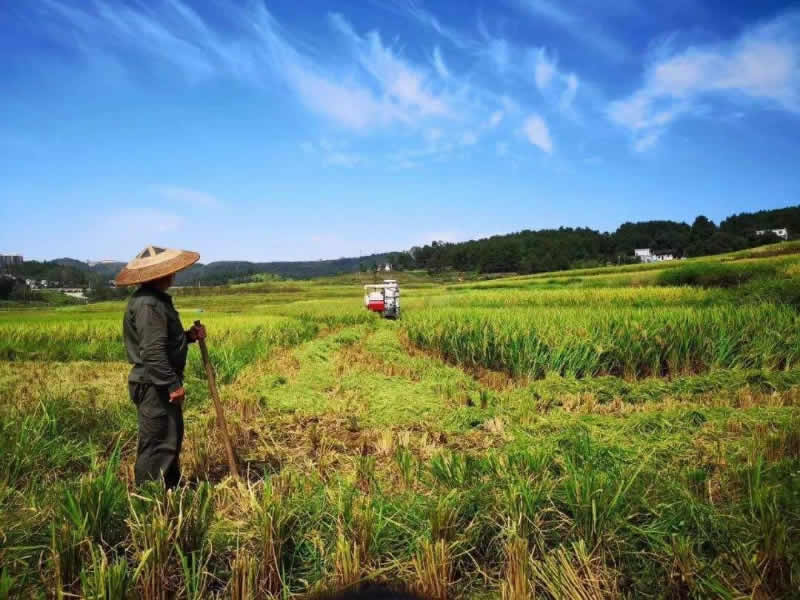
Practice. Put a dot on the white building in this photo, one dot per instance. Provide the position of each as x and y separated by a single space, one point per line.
646 256
782 233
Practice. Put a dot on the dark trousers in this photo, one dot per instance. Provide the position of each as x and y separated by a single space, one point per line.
160 434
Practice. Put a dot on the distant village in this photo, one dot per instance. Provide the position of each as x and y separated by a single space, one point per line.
8 261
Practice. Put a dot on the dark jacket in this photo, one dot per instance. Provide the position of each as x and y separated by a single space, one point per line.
154 339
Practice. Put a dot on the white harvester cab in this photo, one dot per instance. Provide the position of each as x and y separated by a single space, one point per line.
383 298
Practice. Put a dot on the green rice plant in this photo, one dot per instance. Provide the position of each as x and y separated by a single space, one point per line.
770 525
237 340
630 343
573 572
35 446
358 519
194 568
65 558
348 562
193 510
6 584
523 500
407 464
456 469
596 495
365 470
98 506
101 580
717 274
445 516
274 517
153 530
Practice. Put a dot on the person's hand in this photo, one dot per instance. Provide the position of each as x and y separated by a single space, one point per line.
178 396
196 332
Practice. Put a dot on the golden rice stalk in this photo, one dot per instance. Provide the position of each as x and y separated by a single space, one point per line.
434 569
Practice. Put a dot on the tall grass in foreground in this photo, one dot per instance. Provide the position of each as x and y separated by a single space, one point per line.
559 513
624 342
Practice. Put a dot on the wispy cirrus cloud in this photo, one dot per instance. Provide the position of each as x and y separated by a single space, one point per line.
412 10
439 65
497 49
401 83
760 67
257 49
558 87
586 31
366 84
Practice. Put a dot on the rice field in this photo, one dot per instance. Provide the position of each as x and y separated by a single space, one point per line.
609 433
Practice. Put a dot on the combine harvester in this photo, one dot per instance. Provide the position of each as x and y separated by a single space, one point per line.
383 298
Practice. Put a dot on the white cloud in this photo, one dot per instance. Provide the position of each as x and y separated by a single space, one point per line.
469 138
403 85
495 118
762 65
556 86
544 69
187 196
438 63
536 131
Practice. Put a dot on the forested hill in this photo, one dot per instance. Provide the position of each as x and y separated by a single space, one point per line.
564 248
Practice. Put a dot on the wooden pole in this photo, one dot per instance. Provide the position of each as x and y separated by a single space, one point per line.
212 387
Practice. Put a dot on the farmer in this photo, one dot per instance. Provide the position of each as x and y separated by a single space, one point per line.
156 344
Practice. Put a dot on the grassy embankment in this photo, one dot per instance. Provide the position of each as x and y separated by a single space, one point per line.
563 435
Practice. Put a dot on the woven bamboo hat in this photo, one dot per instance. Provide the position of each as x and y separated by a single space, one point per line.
154 263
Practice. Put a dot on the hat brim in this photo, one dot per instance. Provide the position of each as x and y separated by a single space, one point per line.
152 272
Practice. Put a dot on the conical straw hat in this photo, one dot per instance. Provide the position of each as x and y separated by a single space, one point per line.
154 263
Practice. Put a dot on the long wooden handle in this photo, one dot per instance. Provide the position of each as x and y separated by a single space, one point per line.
212 387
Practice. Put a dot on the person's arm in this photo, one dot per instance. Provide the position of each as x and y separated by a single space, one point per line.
152 325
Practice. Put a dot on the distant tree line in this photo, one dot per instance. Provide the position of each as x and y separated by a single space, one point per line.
526 251
530 251
67 276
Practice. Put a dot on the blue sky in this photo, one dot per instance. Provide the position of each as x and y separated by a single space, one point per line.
294 130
